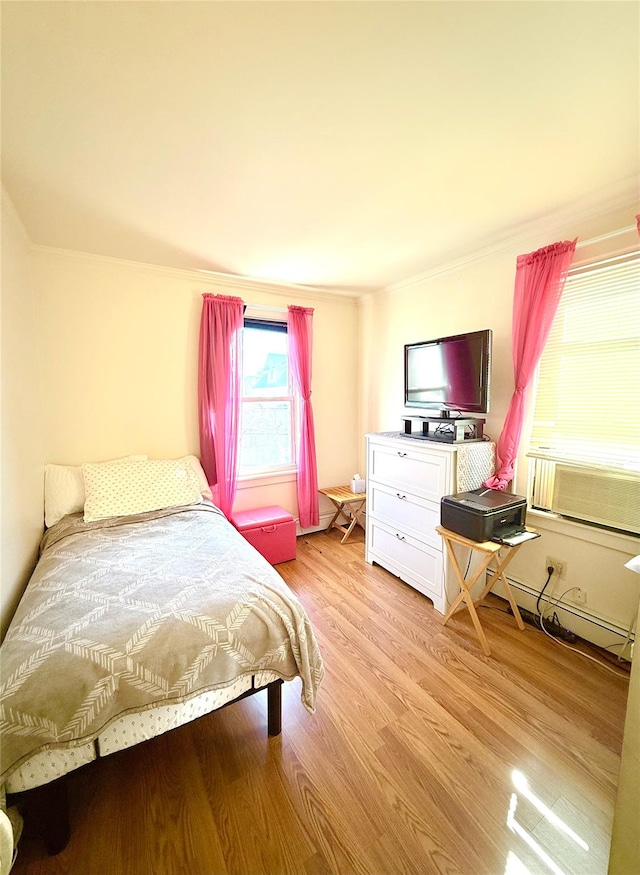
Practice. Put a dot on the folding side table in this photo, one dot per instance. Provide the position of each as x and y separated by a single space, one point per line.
347 502
491 552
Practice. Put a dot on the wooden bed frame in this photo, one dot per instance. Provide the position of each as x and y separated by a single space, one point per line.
47 807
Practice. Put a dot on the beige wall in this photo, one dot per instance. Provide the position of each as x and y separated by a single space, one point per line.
448 304
473 294
120 349
22 447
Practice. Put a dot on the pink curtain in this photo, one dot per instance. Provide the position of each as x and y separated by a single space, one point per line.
219 394
300 334
540 279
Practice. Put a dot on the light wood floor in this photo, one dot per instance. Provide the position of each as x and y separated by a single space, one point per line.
424 756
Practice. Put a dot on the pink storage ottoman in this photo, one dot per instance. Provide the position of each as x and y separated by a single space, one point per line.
271 530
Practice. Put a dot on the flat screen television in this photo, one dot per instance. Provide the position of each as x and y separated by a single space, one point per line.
449 373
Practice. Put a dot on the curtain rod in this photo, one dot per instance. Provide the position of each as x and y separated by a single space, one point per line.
266 309
605 236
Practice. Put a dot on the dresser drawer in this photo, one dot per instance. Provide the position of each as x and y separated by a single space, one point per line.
423 474
408 513
411 560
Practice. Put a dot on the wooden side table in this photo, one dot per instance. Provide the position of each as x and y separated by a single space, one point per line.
491 552
346 502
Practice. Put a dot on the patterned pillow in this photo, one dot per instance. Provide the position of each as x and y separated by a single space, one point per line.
64 489
137 487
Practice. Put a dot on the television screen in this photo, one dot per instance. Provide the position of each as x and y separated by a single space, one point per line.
449 373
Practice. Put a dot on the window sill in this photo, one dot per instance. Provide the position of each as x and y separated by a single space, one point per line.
267 478
540 519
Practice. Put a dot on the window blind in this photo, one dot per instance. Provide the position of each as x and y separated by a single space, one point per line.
587 400
265 324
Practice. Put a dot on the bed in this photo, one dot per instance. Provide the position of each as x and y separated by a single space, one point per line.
134 624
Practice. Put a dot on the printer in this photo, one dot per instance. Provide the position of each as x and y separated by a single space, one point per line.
483 514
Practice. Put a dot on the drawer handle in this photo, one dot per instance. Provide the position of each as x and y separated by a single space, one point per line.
403 497
400 537
401 454
271 528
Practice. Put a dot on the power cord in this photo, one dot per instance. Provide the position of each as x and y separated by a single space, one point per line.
550 570
624 644
555 604
628 642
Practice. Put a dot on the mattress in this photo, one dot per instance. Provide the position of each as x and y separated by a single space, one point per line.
126 731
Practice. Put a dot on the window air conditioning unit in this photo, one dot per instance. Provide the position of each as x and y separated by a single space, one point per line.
599 496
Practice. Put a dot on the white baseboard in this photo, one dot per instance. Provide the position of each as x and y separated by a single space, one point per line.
325 519
590 626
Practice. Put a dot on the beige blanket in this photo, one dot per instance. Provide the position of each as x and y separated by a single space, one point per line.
125 614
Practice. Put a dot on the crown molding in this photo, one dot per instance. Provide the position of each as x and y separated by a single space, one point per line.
619 197
622 196
226 282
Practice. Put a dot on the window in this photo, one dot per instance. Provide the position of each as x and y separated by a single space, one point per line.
585 443
268 407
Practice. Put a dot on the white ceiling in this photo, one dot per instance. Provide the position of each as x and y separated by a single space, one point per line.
339 144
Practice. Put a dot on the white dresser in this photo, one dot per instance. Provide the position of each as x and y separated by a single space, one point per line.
406 478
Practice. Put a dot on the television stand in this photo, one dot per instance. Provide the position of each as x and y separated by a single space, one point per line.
445 429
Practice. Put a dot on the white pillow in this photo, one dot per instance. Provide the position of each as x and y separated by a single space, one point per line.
205 489
64 489
137 487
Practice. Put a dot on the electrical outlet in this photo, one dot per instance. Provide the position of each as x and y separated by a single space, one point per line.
560 567
579 596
